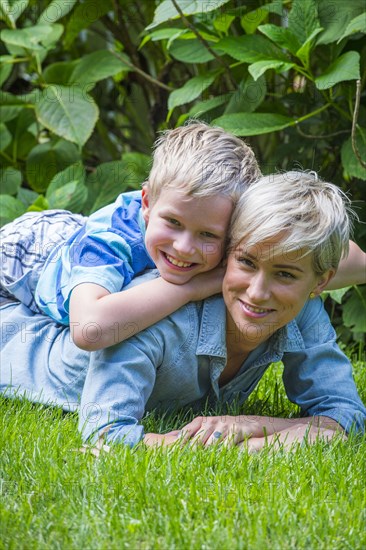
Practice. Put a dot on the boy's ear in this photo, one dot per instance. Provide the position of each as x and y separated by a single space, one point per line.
145 203
323 281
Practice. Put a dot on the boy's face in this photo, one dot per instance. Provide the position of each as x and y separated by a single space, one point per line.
185 235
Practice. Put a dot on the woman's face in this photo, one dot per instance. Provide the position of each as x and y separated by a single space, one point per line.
263 292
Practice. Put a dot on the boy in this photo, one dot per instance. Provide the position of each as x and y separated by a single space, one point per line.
177 224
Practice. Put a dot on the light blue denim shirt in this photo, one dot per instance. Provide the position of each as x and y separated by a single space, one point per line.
174 363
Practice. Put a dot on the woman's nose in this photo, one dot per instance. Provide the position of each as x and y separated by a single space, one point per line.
259 288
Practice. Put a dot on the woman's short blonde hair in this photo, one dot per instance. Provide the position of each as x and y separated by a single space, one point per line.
312 215
202 160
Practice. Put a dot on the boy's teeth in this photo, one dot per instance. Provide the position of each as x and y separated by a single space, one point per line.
178 263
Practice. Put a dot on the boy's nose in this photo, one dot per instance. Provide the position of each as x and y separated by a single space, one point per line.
184 245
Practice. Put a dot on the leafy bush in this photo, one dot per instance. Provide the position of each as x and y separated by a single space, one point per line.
87 85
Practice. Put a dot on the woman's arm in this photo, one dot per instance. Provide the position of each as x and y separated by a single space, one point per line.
351 270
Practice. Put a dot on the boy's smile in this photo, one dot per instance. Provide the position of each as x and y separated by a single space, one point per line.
185 235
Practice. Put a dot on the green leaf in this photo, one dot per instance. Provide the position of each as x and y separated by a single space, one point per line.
11 105
83 16
32 38
358 24
223 22
112 178
252 124
56 10
250 49
281 36
166 9
259 68
338 294
39 204
6 66
208 105
69 112
345 67
10 181
74 172
303 19
71 196
192 89
10 208
9 113
8 99
190 51
251 20
248 97
26 196
60 72
354 310
5 137
96 66
11 11
46 159
351 165
303 53
335 16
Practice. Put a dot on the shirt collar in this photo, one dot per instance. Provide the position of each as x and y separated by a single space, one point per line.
212 335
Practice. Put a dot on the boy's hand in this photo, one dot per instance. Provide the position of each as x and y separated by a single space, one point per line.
206 284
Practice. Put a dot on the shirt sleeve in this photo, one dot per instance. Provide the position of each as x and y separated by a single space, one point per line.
107 249
319 378
118 384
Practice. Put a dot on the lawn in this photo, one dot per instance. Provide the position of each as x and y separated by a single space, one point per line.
52 496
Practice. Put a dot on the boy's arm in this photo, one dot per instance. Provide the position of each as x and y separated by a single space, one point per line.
99 319
351 270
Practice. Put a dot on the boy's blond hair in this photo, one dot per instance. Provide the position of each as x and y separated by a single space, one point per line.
202 160
314 217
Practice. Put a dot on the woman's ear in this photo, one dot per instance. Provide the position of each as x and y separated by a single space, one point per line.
323 281
145 203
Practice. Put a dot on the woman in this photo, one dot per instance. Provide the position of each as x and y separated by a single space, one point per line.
287 236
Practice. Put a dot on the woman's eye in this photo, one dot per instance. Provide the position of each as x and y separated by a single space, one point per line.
286 275
246 262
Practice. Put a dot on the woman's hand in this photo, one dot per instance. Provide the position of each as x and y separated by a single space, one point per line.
229 430
299 433
255 432
161 440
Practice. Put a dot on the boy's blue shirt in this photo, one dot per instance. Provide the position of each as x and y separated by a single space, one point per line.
109 250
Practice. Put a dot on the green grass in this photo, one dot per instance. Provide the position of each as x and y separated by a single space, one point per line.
53 497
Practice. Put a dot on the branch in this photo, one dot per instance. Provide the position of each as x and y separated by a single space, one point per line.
142 73
321 136
354 124
188 24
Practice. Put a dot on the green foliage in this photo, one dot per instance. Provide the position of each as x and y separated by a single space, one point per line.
93 83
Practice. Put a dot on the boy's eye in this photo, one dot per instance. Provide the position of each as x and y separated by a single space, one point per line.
209 235
173 221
